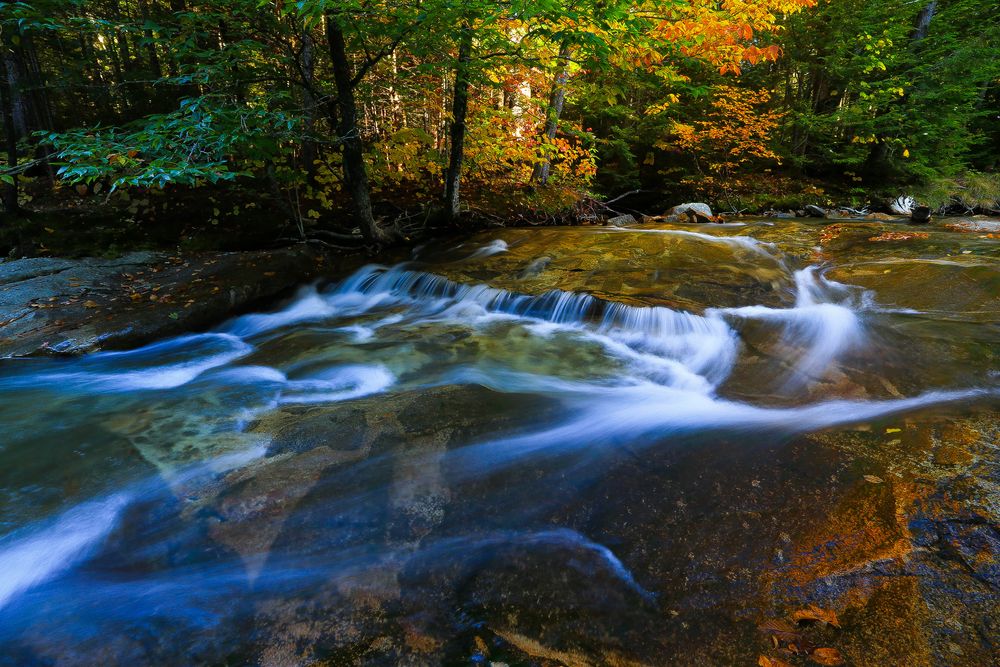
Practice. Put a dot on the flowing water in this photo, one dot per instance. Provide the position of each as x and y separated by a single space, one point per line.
553 446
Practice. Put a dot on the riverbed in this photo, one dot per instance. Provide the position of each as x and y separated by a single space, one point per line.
653 445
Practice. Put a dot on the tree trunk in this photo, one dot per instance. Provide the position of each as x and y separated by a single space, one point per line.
557 99
459 113
8 190
307 70
14 80
355 173
153 58
924 21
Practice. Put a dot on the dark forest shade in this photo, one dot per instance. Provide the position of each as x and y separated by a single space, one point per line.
505 109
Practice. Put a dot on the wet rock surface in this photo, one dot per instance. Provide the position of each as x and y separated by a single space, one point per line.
73 306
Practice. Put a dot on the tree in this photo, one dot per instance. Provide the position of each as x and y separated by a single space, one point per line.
890 89
460 108
8 180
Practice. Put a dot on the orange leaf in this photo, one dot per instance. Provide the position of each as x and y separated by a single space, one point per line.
764 661
813 614
827 656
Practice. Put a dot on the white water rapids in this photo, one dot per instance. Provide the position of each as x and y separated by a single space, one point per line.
657 372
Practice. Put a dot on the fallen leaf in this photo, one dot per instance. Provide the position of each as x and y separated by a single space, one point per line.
827 656
874 479
899 236
764 661
90 304
814 614
781 629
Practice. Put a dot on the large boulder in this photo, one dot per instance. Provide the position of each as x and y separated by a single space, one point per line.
920 214
694 212
621 221
814 211
902 205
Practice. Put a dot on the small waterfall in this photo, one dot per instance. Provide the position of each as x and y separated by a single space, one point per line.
822 324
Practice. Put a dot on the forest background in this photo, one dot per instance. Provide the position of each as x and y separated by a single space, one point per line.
241 123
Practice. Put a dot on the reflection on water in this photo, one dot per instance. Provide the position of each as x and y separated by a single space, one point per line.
473 442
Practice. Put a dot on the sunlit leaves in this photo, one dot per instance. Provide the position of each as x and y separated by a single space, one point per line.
192 145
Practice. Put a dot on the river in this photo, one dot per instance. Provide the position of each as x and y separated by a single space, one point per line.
579 446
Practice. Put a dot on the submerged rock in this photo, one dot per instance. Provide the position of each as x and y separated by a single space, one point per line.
975 226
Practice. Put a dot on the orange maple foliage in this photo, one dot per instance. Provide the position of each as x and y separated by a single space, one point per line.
722 33
734 132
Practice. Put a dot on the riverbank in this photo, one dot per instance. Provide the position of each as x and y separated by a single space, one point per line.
72 306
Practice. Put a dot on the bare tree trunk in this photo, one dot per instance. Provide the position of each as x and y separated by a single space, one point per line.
9 188
154 59
459 113
924 20
355 173
398 110
557 100
307 64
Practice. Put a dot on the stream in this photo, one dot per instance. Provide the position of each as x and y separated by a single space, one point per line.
576 446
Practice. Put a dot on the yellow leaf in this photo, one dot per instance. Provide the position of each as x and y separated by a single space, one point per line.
893 430
906 152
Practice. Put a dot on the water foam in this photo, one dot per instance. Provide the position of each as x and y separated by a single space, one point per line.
27 560
143 368
645 414
342 383
308 306
492 248
748 243
823 323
